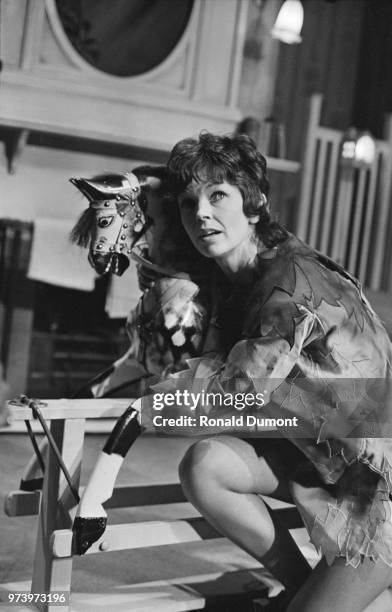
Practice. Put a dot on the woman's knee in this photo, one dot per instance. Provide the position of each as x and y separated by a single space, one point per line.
219 463
199 467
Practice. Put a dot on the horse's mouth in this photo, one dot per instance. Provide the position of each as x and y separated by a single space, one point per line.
103 263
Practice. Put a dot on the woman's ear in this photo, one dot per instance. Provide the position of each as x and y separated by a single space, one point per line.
253 219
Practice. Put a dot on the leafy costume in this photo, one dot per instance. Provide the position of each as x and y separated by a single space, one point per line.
310 341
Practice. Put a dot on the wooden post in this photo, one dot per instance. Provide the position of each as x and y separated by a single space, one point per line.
57 510
305 202
380 267
343 208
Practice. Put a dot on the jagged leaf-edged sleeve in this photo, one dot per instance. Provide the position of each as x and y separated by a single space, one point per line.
270 354
256 364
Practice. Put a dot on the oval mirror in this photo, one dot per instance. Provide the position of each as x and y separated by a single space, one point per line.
124 37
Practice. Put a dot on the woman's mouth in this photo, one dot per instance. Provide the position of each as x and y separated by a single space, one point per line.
206 235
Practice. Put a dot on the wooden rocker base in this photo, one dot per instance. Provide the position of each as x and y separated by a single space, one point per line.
190 593
219 589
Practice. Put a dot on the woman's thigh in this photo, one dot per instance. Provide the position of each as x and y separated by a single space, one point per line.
341 587
255 466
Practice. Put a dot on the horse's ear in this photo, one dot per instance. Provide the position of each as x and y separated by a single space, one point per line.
150 183
81 232
151 178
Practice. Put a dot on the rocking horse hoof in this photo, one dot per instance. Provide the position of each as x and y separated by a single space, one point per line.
33 484
87 531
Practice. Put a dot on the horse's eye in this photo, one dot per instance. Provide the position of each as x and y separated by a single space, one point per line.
105 221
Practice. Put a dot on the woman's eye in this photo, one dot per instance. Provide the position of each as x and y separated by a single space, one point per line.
216 196
105 221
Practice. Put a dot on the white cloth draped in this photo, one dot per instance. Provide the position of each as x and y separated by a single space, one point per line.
123 293
55 260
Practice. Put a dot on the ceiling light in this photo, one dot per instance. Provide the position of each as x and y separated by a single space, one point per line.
289 22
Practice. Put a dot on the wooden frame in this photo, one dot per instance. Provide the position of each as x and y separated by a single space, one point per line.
56 509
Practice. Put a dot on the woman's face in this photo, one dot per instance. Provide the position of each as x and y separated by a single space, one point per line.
213 217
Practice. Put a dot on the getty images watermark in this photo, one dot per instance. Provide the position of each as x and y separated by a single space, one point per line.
202 402
301 407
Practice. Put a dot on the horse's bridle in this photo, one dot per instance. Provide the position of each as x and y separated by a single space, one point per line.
129 196
119 236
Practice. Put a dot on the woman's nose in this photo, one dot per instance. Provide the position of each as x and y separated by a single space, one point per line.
203 208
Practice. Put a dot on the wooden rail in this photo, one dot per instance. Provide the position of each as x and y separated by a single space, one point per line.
56 508
344 209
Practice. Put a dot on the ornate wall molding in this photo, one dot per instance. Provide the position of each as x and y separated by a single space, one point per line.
47 86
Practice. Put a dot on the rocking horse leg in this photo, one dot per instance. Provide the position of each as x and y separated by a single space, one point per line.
32 478
105 383
91 519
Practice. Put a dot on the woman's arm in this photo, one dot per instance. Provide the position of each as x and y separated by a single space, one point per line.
260 364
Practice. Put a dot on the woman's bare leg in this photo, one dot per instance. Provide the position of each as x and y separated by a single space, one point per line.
341 587
223 478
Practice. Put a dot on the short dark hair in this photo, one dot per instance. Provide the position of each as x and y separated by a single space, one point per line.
233 158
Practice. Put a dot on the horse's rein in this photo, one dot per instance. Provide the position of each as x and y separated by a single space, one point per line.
159 270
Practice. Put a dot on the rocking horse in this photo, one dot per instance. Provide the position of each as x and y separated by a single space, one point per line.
131 217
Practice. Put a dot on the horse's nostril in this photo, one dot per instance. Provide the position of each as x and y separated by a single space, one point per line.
120 264
100 262
108 262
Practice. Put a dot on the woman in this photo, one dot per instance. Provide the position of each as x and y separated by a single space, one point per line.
296 327
301 317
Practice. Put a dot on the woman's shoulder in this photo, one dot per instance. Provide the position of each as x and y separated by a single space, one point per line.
296 269
293 277
277 270
278 294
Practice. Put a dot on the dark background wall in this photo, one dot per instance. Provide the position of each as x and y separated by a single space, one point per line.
346 54
373 87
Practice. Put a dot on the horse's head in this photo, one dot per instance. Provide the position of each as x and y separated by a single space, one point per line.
115 219
132 215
